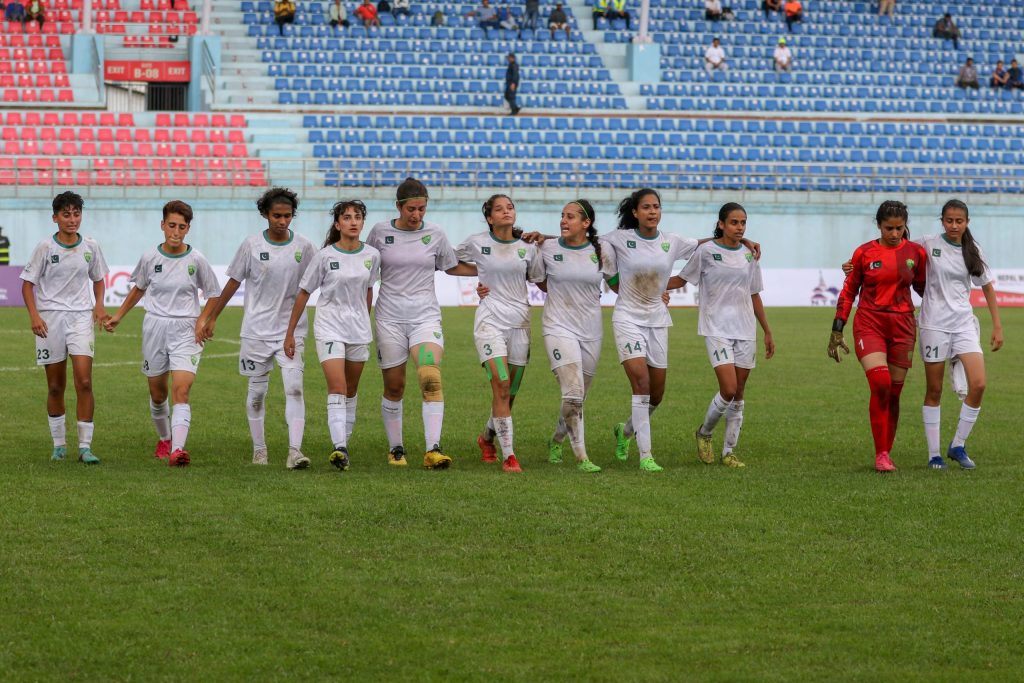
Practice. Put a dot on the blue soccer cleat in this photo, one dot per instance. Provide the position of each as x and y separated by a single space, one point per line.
936 463
59 453
959 454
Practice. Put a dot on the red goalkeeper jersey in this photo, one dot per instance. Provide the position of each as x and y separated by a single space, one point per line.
883 277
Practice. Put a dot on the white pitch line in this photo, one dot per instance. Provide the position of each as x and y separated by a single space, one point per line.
118 364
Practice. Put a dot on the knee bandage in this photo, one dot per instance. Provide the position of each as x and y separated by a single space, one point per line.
429 377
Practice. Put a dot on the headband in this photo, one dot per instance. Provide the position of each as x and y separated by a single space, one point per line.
585 214
409 199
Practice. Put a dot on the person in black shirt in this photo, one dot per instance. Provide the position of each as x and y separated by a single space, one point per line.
512 84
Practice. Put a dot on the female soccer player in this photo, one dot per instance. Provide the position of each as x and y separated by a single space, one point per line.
408 318
63 290
272 263
501 326
573 326
172 275
949 329
344 271
729 280
884 330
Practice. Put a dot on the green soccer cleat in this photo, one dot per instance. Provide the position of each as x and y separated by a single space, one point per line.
554 452
85 455
648 465
587 466
59 453
705 450
339 458
730 460
621 441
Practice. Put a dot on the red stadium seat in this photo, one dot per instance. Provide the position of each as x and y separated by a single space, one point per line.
125 120
162 135
239 151
179 135
201 151
68 149
86 134
236 137
220 150
125 149
87 149
238 121
88 119
69 118
47 96
219 121
142 135
123 134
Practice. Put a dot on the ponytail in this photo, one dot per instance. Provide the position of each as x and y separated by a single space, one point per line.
893 209
627 221
723 215
333 234
972 255
588 213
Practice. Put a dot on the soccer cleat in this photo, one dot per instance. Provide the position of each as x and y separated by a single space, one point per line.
883 463
587 466
511 464
296 460
396 457
648 465
85 455
259 457
434 459
705 450
59 453
163 449
555 453
488 453
730 460
936 463
339 458
178 458
621 441
959 454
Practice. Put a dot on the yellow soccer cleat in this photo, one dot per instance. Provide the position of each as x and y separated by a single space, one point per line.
434 459
731 460
705 450
396 457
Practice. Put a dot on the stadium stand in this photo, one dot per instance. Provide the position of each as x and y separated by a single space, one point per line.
33 67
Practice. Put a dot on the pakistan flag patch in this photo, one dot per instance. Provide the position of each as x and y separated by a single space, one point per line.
485 250
936 252
631 244
390 239
425 239
558 257
334 265
664 247
264 256
717 257
875 265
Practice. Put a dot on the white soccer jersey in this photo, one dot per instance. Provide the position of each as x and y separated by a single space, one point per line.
342 278
946 304
573 305
63 275
172 282
271 272
503 267
644 266
726 278
408 259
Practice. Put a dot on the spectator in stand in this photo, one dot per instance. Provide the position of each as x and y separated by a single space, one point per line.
713 10
618 11
437 19
486 15
714 58
284 13
968 77
401 7
506 19
770 6
338 14
794 13
1016 79
512 83
600 10
368 14
783 56
946 29
1000 76
35 12
886 7
532 14
558 21
383 7
14 11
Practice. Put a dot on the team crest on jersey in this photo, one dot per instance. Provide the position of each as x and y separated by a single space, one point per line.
437 335
664 247
425 239
631 244
334 265
87 256
191 269
593 257
390 239
717 257
875 265
264 256
159 268
368 263
558 257
298 257
522 253
195 360
910 263
936 252
750 257
485 250
55 258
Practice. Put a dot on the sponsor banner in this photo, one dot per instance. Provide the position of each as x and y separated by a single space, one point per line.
782 287
10 286
138 70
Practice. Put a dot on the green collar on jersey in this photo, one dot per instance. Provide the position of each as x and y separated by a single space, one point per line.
188 249
657 235
394 224
346 251
726 246
561 243
266 236
950 242
66 246
511 241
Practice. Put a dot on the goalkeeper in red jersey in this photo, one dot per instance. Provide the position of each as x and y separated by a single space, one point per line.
884 330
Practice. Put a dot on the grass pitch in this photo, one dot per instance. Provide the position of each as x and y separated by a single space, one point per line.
806 565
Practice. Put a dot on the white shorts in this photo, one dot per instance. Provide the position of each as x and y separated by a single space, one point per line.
738 352
637 341
937 346
68 333
395 340
169 344
513 344
256 356
564 351
337 350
